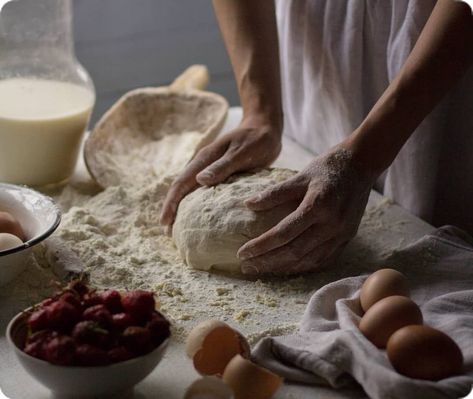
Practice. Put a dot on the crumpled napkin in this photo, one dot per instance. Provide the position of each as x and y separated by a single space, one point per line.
329 348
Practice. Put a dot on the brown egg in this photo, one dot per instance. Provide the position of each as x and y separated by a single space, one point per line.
8 224
212 344
425 353
250 381
387 316
381 284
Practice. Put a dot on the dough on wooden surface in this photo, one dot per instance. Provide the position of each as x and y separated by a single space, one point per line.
212 223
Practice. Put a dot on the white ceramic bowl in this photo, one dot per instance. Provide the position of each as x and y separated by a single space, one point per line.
83 382
39 217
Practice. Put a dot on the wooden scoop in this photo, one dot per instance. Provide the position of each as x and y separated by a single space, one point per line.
155 130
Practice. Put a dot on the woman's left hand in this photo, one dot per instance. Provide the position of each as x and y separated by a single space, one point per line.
332 194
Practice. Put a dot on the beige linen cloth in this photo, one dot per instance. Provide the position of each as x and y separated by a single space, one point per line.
329 348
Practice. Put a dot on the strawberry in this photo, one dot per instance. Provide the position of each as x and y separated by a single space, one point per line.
38 320
112 300
34 349
74 300
140 304
90 332
159 328
122 321
88 355
92 299
136 339
79 287
62 315
99 314
60 350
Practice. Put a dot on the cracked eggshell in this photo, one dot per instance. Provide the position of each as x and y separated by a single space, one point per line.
212 344
209 388
249 380
9 224
381 284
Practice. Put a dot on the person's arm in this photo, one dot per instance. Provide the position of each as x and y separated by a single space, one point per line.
333 189
250 35
441 56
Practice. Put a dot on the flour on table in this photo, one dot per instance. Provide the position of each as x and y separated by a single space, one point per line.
115 233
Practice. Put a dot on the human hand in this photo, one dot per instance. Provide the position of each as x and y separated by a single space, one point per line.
332 194
252 145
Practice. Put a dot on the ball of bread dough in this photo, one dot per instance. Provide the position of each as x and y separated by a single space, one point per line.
212 223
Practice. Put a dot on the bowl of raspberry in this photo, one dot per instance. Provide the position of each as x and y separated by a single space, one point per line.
87 343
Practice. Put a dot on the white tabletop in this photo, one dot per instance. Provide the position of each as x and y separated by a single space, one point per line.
386 227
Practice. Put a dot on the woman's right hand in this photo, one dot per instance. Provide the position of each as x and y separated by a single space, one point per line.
254 144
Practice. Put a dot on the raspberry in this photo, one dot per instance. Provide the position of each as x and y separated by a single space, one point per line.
136 340
60 350
62 315
159 328
38 320
140 304
90 332
99 314
119 354
88 355
112 300
122 321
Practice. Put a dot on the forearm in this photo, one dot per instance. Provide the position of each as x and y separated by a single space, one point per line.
250 34
442 54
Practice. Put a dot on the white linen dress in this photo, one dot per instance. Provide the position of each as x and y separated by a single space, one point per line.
337 58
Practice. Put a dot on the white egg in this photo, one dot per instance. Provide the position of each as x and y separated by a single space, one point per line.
9 241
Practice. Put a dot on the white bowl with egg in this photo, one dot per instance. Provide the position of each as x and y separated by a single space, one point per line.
38 216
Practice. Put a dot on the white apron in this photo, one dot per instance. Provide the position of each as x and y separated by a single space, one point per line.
337 57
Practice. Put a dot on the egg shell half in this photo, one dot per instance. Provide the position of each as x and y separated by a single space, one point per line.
387 316
249 380
9 224
212 344
208 388
424 353
381 284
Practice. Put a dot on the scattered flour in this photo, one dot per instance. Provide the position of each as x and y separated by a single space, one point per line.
116 235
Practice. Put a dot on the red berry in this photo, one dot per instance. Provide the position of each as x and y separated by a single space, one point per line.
92 299
122 321
62 315
47 302
139 303
69 297
38 320
159 328
90 332
99 314
79 286
112 300
119 354
34 349
136 339
60 350
42 336
88 355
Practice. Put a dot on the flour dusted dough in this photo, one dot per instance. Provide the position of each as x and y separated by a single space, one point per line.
212 223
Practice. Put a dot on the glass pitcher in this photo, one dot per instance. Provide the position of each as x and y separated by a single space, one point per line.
46 96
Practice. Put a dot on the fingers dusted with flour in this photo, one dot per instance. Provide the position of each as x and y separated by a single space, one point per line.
252 145
332 195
